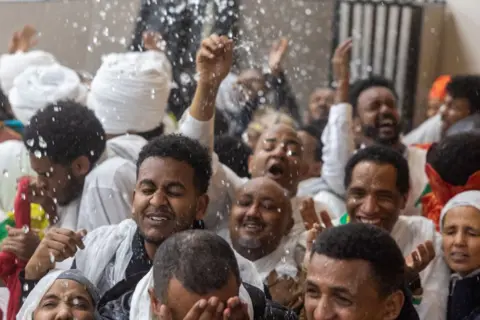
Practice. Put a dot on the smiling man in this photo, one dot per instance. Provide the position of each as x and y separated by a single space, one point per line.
377 182
374 101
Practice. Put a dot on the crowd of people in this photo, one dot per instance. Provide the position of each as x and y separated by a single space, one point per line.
244 207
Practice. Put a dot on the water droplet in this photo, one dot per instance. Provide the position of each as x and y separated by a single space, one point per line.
37 154
42 142
5 173
25 287
30 142
26 229
52 257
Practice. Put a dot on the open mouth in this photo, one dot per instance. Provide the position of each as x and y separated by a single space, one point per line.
275 171
253 227
459 256
375 222
158 218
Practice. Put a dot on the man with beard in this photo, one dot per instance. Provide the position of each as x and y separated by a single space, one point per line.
375 106
319 104
279 153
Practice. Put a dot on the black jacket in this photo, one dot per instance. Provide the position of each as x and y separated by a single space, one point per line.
181 24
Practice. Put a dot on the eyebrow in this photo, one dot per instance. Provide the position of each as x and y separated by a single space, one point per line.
147 181
333 288
49 296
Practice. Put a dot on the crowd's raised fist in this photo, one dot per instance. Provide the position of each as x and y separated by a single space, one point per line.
214 59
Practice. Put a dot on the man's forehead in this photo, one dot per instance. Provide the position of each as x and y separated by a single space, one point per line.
263 186
376 92
280 131
374 174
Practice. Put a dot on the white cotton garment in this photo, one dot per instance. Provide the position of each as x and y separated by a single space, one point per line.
141 307
282 260
130 91
12 65
39 86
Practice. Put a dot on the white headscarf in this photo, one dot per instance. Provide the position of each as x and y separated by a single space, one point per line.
11 65
130 91
464 199
39 86
36 295
141 309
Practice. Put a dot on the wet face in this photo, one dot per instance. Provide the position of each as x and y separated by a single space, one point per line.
373 197
320 102
261 215
62 183
378 115
66 299
454 110
309 144
165 200
346 290
278 155
179 300
461 239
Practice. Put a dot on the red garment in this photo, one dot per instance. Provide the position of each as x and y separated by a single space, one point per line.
8 134
442 192
10 266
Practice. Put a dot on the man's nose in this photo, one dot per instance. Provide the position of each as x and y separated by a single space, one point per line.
64 312
324 310
369 204
158 199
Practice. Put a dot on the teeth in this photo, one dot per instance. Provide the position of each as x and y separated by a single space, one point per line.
370 221
158 218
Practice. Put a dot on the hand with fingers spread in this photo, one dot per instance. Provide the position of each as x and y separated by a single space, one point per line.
419 259
341 70
153 41
214 60
21 242
236 310
276 56
57 246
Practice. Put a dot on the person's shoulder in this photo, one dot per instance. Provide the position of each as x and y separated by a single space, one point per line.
111 169
104 232
420 226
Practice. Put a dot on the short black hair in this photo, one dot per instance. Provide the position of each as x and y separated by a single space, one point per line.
455 158
233 153
381 155
5 113
466 87
64 131
363 84
315 129
181 148
360 241
200 260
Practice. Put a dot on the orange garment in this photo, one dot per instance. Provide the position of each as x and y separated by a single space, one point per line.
442 192
8 134
438 90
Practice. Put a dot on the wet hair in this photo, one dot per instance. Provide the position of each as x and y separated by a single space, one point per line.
234 153
183 149
4 107
455 158
359 86
64 131
381 155
359 241
315 129
200 260
466 87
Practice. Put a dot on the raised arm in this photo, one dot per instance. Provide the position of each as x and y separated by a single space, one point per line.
338 137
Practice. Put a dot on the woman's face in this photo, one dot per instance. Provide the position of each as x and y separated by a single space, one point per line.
66 299
461 239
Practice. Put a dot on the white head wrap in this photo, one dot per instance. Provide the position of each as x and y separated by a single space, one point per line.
130 91
39 86
36 295
141 309
464 199
11 65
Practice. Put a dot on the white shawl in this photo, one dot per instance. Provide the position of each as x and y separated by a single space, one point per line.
130 91
282 260
107 252
464 199
38 86
141 307
11 65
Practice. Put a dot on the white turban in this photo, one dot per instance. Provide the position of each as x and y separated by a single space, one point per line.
464 199
11 65
130 91
39 86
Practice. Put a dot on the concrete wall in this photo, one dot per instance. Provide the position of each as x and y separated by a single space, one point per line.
461 45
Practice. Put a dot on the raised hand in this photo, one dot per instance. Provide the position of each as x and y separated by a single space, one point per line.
214 60
38 194
277 53
153 41
57 246
341 70
421 257
23 40
21 242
